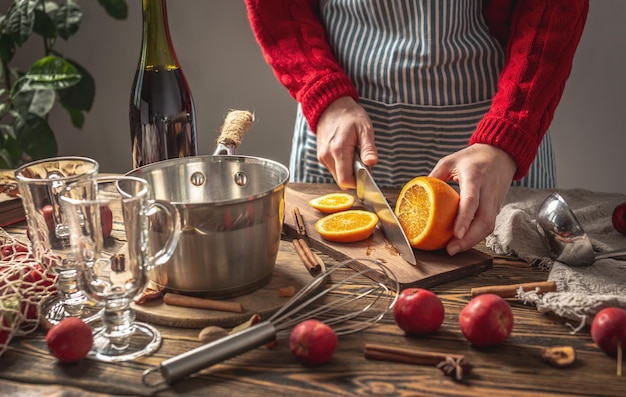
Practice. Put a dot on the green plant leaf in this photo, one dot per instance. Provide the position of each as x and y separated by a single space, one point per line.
52 73
118 9
77 117
3 161
67 19
21 19
44 25
35 136
10 152
7 48
81 95
39 102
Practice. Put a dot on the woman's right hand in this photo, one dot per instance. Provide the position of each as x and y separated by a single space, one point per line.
342 127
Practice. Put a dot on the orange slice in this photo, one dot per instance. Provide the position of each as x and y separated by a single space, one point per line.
347 226
333 202
426 209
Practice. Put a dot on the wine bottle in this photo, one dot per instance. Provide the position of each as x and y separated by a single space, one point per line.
162 114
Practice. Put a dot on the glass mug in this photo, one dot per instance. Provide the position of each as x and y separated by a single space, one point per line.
109 220
40 184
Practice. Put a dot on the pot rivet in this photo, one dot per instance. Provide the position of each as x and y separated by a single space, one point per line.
241 178
197 178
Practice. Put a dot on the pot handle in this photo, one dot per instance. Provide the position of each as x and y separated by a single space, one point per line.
174 230
236 124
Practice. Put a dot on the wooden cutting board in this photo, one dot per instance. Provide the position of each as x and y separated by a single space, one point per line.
433 267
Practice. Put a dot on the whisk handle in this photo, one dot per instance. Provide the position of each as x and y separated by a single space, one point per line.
178 367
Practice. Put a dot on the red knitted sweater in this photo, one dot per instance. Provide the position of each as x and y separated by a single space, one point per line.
540 38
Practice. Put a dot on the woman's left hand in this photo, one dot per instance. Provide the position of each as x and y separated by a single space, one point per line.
484 174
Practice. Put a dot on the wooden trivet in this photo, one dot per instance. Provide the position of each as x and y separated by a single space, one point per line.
289 270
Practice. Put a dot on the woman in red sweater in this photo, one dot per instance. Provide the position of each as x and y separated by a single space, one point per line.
461 90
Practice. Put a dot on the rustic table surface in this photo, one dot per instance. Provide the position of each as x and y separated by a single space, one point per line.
512 369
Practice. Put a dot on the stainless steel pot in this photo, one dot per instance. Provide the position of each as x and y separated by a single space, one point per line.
232 212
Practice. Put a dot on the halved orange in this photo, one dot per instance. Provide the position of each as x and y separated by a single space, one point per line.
347 226
332 202
426 209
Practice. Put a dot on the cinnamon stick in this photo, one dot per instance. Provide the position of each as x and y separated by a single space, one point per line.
307 257
455 365
510 291
201 303
299 222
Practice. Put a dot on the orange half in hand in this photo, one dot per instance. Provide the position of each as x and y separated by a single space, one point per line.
426 209
333 202
347 226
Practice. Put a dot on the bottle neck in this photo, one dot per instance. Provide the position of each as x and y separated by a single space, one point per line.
157 51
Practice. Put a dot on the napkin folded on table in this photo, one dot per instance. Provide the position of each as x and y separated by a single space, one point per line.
581 291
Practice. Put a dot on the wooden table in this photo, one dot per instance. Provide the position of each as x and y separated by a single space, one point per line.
512 369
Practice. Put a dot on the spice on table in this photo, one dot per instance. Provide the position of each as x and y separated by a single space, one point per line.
510 291
212 333
253 320
454 365
147 295
118 263
287 292
307 256
299 222
559 356
201 303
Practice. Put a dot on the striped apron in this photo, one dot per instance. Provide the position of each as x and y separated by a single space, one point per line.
425 71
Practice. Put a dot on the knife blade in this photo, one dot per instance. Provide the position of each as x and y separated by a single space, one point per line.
368 191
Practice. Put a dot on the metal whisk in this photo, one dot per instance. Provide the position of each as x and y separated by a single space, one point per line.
346 311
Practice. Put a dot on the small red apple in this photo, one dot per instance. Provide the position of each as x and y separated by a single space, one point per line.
418 311
106 218
487 320
69 340
48 215
608 331
313 342
619 218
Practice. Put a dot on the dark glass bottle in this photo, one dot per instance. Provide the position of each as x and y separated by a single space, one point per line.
162 114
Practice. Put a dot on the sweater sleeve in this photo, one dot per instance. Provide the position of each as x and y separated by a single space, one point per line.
540 50
293 41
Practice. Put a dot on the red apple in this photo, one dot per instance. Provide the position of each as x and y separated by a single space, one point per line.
48 215
619 218
608 331
69 340
418 311
487 320
313 342
106 218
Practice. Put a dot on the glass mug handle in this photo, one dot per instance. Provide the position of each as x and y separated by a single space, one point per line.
174 229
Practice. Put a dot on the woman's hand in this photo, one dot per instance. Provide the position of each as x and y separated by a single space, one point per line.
342 127
484 174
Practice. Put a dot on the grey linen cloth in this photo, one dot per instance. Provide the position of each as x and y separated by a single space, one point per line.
581 291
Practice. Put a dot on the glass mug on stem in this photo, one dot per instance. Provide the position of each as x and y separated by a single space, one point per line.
113 270
40 184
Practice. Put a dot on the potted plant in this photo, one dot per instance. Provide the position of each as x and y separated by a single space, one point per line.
27 97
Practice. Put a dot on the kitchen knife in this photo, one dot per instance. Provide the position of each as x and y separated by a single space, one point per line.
375 201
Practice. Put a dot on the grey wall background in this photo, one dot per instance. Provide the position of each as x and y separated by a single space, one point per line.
225 70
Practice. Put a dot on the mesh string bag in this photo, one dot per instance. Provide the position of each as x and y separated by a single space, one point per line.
23 284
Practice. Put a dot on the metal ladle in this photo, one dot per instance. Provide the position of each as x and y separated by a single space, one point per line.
568 242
